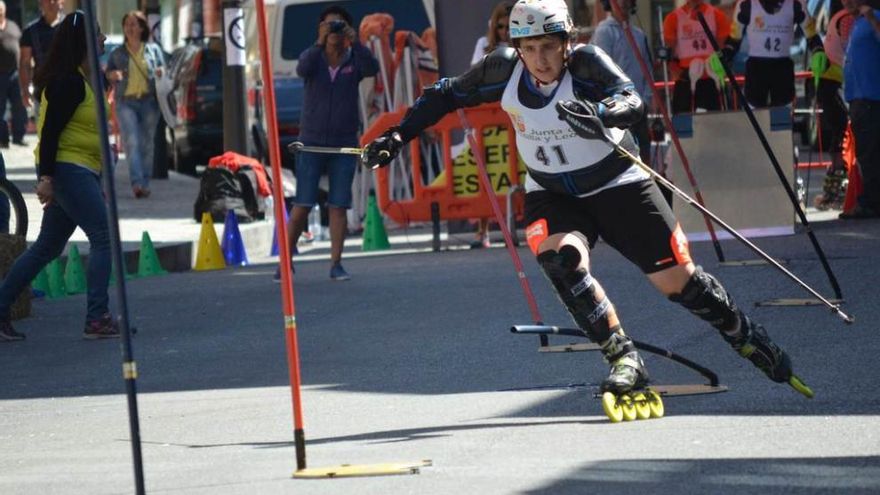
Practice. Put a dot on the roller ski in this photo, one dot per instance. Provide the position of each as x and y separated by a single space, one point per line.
753 343
625 393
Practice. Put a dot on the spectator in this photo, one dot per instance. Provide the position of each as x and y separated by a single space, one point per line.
497 36
683 33
35 42
498 33
10 36
834 113
861 89
331 70
133 68
609 36
771 27
69 166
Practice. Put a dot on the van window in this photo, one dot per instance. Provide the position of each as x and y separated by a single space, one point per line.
301 21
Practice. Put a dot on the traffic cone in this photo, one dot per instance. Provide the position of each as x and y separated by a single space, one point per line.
128 276
56 279
274 250
232 246
375 238
209 256
74 275
40 285
148 259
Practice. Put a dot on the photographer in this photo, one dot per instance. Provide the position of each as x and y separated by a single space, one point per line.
331 70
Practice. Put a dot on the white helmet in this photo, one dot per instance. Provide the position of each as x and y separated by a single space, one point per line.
539 17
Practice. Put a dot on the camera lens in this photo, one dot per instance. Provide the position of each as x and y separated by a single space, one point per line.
337 26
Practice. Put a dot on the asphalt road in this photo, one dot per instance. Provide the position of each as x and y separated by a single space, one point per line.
413 360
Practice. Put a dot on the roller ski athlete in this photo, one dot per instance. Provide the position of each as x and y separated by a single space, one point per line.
579 189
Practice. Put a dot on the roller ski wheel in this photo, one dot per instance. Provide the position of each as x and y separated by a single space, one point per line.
797 384
630 406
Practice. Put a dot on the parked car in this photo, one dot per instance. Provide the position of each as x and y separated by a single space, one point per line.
196 100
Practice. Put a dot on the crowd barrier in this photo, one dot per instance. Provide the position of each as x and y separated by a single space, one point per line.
454 192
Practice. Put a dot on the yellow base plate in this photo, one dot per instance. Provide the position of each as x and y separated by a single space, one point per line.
354 470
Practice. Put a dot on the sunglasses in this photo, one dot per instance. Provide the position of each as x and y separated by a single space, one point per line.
501 26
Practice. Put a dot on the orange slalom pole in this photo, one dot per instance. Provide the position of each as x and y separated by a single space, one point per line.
287 300
477 152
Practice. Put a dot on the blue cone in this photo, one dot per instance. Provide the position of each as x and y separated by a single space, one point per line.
274 250
232 245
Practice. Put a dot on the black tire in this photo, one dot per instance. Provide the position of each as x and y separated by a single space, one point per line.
180 162
17 207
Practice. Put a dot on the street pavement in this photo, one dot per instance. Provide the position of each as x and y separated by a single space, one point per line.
412 360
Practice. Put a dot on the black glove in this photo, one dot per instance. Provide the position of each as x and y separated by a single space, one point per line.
383 149
583 118
727 53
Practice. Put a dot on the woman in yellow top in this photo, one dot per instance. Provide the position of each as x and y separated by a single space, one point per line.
133 68
69 169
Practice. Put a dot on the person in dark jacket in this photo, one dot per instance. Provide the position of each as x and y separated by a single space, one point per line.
331 69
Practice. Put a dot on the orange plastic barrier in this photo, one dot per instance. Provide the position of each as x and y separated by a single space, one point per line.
854 187
447 193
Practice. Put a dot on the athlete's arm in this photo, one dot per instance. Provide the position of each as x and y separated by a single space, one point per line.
807 25
742 15
484 82
597 78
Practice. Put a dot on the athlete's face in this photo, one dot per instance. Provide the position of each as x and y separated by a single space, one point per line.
544 56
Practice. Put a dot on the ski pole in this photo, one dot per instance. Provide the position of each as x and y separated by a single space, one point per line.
297 147
721 223
643 65
761 137
129 365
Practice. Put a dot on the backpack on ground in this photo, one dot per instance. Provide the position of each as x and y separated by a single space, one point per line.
220 191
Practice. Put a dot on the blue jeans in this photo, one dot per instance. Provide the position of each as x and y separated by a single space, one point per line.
340 171
78 201
9 90
138 118
5 209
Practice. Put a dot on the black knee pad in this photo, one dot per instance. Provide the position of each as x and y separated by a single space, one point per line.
575 287
704 296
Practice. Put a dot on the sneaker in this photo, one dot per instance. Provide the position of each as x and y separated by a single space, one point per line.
102 328
338 273
277 276
8 333
482 242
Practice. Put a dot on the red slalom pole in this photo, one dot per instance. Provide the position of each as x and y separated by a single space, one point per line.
477 152
668 123
287 300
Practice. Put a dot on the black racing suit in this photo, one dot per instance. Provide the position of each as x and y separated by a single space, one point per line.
595 78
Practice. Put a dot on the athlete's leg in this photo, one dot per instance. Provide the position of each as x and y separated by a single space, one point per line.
564 258
641 226
704 296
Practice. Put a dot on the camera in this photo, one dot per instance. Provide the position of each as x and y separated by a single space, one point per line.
337 26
